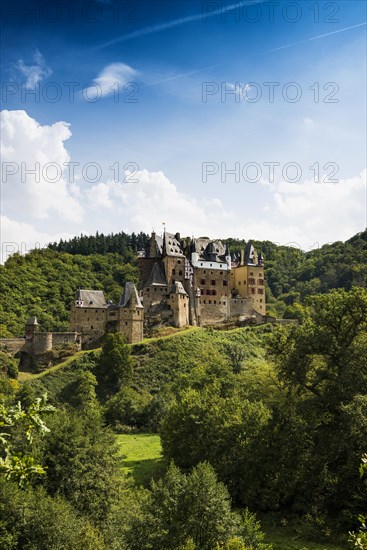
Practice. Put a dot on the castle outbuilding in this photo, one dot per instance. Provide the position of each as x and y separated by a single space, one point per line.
93 317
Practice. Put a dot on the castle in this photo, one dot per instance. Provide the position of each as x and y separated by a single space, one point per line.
182 282
198 282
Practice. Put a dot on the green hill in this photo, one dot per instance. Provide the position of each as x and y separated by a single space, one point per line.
43 283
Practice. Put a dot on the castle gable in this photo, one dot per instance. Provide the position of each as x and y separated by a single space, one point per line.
171 245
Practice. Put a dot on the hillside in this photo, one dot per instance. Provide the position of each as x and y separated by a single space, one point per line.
43 283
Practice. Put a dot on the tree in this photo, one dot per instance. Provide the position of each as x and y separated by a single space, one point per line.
190 511
115 368
359 539
8 365
323 366
30 519
81 460
19 426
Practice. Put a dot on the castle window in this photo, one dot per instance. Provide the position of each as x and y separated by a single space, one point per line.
180 272
224 303
202 281
213 283
251 273
244 282
225 283
211 265
91 327
215 301
251 281
173 271
220 265
204 271
221 272
261 281
204 301
125 322
260 291
261 299
239 283
209 302
261 307
208 292
184 305
178 261
253 290
214 292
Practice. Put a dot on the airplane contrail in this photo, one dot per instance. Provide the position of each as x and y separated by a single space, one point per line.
176 23
313 38
260 53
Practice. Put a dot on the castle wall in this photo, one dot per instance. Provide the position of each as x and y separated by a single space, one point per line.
12 345
90 322
179 303
153 295
174 269
42 342
241 307
60 339
131 324
215 294
248 280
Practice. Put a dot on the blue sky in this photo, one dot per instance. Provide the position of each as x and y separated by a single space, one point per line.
200 75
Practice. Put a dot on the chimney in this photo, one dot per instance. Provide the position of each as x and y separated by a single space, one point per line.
152 247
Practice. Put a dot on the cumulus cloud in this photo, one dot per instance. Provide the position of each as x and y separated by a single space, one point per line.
34 73
110 80
305 214
147 199
33 172
22 237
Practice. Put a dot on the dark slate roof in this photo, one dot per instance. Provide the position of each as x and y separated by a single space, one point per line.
208 249
178 288
92 298
130 293
156 276
32 321
171 245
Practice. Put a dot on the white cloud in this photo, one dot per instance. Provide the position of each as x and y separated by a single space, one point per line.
34 73
22 237
110 80
28 146
304 213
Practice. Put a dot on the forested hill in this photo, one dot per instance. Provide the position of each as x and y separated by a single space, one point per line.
43 283
119 243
